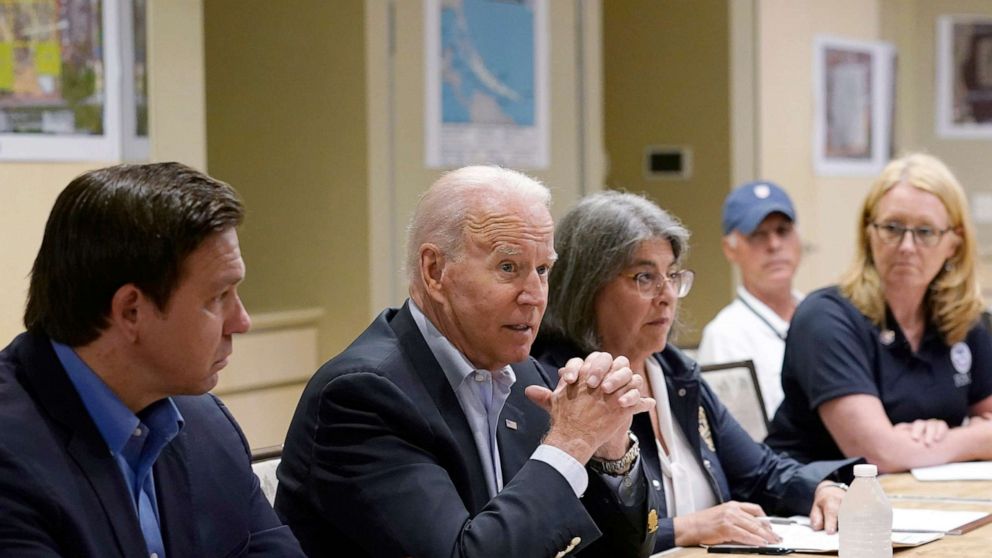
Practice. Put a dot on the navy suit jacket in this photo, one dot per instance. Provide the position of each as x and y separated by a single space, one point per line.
380 461
737 467
63 494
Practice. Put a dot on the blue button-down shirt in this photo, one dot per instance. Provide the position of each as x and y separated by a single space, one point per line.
135 441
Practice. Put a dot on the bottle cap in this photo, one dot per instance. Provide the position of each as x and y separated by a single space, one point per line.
865 470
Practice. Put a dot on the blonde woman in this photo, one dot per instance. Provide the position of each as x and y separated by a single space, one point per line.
894 363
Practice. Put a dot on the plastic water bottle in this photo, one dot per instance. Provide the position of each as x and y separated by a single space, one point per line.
865 517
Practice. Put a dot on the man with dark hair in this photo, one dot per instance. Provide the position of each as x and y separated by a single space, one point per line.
108 445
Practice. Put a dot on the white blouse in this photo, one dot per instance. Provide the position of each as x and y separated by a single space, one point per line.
687 489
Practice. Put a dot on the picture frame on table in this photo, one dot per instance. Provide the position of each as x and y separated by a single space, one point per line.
736 384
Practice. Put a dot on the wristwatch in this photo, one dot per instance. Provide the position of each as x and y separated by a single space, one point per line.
618 467
840 485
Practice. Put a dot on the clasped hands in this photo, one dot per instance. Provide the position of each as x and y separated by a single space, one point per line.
930 432
592 406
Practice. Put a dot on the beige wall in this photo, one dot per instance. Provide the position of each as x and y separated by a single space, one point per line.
396 123
176 115
28 191
294 108
286 126
268 370
681 96
826 206
319 124
911 26
176 125
666 81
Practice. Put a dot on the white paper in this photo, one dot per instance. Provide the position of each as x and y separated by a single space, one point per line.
669 552
933 520
973 470
804 539
799 536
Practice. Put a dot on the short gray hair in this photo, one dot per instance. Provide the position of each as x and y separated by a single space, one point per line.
443 209
595 241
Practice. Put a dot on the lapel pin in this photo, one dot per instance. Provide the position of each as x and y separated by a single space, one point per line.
511 424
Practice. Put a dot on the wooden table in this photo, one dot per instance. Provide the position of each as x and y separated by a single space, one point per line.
975 544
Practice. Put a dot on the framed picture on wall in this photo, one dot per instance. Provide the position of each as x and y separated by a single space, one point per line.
853 102
487 77
964 77
71 87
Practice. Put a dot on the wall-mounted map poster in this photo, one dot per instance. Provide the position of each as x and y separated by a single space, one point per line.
486 83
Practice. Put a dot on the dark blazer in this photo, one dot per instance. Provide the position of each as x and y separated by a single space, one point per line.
380 461
737 467
62 493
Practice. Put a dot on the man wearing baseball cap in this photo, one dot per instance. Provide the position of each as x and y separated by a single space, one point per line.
760 238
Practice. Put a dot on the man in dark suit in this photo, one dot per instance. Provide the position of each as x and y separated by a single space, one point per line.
108 445
421 439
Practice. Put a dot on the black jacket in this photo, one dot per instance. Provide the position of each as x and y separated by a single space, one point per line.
738 468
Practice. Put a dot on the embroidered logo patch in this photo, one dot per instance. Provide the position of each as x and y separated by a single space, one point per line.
961 357
704 430
961 360
886 337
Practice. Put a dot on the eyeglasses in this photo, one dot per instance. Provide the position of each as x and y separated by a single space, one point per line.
650 284
893 233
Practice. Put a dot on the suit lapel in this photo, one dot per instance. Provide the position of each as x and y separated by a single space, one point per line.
51 387
684 405
469 479
521 424
105 478
172 487
512 453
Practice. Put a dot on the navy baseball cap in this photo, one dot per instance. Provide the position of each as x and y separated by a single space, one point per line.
748 205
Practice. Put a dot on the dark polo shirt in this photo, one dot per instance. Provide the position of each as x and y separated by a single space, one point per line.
833 350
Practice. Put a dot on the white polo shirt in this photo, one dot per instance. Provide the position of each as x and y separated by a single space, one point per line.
748 329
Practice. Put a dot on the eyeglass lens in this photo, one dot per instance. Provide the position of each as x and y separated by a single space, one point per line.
894 233
681 283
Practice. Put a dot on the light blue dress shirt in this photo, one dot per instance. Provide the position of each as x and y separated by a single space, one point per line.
135 441
482 394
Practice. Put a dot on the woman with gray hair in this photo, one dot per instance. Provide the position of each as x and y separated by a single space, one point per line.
615 288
